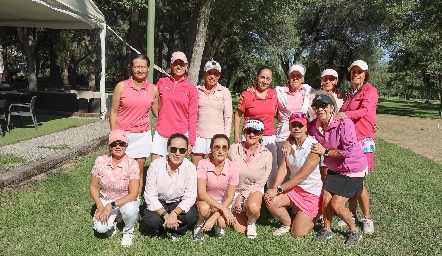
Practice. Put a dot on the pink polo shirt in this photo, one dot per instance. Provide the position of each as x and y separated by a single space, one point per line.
252 175
264 109
133 113
214 112
295 100
114 182
361 109
178 108
217 185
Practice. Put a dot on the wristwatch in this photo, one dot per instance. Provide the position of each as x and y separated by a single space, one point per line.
114 206
326 152
279 189
163 214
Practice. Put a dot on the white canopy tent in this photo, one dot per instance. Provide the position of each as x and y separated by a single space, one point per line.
58 14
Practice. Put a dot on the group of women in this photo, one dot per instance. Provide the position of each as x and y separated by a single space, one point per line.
325 139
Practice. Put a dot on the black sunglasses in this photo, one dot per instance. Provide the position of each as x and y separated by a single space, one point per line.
255 132
320 105
121 144
175 149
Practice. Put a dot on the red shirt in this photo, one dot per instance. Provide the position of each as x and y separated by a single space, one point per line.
264 109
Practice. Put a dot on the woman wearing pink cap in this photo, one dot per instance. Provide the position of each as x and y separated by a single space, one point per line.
360 106
293 97
217 182
304 188
178 107
214 111
131 102
119 179
255 163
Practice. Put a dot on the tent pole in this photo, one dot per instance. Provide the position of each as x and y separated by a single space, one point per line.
150 36
103 72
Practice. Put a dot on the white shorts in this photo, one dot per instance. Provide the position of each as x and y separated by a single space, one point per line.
140 144
202 146
159 144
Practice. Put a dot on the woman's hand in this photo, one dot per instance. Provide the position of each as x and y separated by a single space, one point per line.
317 148
238 201
102 213
230 218
208 225
340 116
270 195
171 221
237 139
286 148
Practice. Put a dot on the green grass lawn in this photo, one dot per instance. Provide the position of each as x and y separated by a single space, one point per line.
52 217
411 108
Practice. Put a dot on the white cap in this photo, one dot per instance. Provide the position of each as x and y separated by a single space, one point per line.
211 64
255 124
329 72
360 63
297 67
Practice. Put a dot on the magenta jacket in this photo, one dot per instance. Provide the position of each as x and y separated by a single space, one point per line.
178 108
340 135
361 109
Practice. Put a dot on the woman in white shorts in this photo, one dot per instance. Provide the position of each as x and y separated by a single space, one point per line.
214 111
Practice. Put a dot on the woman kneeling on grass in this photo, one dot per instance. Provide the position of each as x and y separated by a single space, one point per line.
345 160
217 182
119 178
255 163
303 190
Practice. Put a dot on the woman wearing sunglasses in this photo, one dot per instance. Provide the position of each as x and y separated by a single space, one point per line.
360 107
293 97
347 165
178 107
217 181
132 101
304 188
214 111
329 82
255 163
171 191
119 178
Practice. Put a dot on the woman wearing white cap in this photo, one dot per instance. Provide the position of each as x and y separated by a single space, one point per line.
178 107
360 106
214 111
329 81
119 179
292 97
255 163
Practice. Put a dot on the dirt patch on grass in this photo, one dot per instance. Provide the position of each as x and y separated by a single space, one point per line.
420 135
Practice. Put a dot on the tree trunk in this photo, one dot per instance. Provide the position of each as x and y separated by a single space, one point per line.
440 94
200 41
28 39
65 77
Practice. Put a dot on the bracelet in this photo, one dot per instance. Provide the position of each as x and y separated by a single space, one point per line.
175 212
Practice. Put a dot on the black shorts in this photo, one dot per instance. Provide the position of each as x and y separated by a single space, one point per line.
343 185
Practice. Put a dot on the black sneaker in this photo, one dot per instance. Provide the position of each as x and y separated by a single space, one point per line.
353 237
323 235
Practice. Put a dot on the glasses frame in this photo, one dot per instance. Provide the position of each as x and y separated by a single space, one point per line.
323 105
121 144
174 150
255 132
225 148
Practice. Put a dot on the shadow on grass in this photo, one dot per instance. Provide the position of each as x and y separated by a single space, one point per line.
26 121
410 108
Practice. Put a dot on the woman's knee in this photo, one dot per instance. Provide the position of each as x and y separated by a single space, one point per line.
101 228
203 209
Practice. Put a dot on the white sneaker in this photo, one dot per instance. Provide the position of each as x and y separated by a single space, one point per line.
251 230
198 234
175 238
368 226
342 223
111 232
219 232
127 239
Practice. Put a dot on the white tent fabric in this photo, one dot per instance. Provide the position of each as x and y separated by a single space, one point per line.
58 14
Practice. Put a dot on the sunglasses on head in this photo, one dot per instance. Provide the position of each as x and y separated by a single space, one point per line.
299 115
121 144
320 105
175 149
224 147
255 132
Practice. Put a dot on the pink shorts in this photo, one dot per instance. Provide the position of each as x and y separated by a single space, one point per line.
306 202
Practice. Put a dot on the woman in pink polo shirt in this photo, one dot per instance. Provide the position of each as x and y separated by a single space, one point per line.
178 107
255 163
217 181
214 111
346 164
360 107
293 97
118 177
131 102
260 102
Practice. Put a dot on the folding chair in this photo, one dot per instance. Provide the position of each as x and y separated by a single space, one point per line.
23 109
